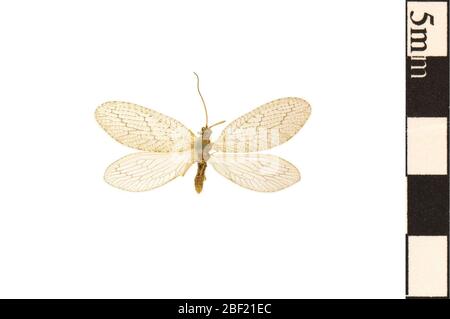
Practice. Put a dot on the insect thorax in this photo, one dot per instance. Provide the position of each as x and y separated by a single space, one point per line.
203 145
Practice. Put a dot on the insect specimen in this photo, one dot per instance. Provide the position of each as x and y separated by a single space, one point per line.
168 148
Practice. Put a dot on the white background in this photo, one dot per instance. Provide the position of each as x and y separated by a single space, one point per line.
64 232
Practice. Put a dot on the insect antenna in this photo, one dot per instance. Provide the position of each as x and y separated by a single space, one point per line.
218 123
203 101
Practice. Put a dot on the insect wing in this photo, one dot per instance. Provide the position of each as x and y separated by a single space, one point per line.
142 128
144 171
258 172
265 127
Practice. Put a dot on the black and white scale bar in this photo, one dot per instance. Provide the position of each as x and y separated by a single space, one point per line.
427 144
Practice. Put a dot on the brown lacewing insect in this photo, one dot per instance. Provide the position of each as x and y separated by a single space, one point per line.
168 148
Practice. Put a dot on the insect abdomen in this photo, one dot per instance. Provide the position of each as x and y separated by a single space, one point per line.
200 177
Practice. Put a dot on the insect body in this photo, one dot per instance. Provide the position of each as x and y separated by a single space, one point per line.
168 149
200 176
204 146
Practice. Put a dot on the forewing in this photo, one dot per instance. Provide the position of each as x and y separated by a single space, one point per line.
258 172
265 127
144 171
142 128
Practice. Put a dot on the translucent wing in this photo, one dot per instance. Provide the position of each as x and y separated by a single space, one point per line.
258 172
143 171
265 127
143 129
